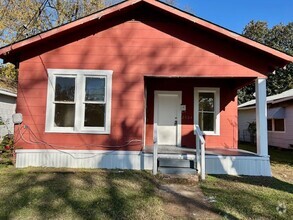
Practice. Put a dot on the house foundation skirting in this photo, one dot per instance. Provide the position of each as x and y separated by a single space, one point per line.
136 160
238 165
83 159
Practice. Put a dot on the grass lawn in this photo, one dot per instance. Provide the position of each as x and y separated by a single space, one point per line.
77 194
40 193
246 197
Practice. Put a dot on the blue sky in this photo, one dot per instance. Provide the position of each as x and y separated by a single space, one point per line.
235 14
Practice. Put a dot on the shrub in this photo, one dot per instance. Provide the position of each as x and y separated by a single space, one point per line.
7 150
252 131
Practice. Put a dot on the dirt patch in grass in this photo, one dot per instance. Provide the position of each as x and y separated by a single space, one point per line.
283 172
183 199
185 202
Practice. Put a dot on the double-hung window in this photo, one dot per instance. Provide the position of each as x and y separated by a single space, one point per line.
206 110
79 101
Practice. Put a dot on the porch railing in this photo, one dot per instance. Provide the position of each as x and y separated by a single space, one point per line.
200 153
155 151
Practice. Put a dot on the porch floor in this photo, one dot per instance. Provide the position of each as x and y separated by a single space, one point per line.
165 149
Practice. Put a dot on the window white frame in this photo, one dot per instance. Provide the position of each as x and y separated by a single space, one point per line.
216 92
80 80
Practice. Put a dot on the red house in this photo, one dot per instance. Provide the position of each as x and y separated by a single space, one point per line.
93 91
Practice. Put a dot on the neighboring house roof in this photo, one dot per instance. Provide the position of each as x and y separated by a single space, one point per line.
8 93
282 97
8 89
11 53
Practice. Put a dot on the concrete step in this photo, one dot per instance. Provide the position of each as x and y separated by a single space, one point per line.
177 156
176 163
176 170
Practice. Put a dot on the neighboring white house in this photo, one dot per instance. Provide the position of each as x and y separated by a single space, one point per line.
279 118
7 109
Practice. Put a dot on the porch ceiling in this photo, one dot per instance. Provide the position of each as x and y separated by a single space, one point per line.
233 82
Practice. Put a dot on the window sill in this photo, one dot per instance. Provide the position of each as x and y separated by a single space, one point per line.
207 133
277 132
77 132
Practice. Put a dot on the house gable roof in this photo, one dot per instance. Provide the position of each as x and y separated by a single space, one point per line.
10 52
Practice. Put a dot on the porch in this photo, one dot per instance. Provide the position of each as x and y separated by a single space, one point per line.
174 150
217 161
174 106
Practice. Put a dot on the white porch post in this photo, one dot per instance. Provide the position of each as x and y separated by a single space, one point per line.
261 117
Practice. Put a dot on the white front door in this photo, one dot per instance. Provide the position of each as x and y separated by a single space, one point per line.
168 117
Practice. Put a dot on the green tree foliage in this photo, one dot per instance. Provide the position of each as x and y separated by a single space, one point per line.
8 72
279 37
8 77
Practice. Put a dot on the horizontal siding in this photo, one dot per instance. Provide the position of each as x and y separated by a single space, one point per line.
7 109
142 60
83 159
244 118
289 126
278 139
132 50
228 110
240 165
232 165
33 101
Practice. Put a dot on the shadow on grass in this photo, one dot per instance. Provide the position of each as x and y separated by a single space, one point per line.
70 195
125 204
196 205
237 196
269 182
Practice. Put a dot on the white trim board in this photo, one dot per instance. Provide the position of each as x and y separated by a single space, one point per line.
79 101
216 92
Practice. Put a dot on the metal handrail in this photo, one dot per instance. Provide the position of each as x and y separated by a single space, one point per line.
200 152
200 134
